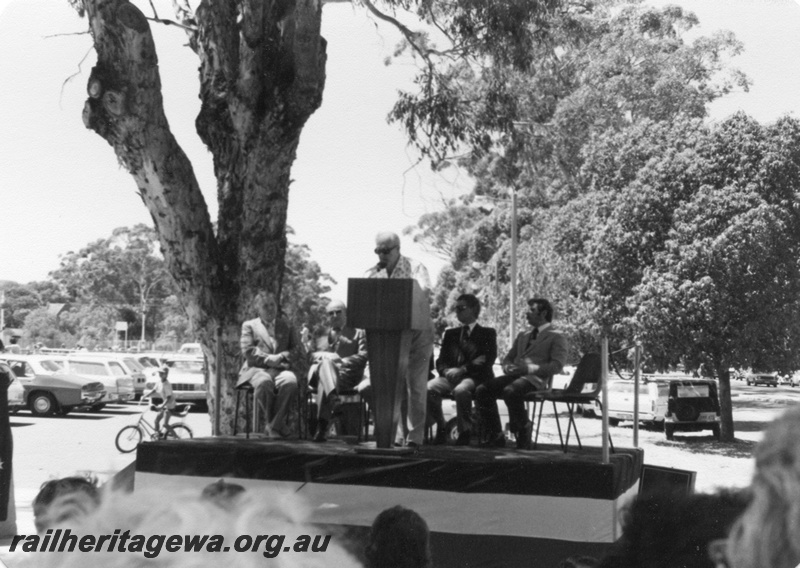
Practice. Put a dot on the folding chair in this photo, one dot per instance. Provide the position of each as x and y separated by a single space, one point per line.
589 372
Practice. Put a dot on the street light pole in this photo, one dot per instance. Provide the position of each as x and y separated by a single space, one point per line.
513 292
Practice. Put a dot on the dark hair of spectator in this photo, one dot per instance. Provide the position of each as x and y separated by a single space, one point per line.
472 302
399 538
544 307
61 499
674 529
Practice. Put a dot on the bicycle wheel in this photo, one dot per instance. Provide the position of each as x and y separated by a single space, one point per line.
179 431
128 439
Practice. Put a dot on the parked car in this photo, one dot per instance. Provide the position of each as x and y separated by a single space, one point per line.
675 404
762 379
48 389
188 376
133 367
117 382
15 390
190 349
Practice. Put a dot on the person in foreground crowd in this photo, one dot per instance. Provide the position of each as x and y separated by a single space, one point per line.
671 529
340 356
537 354
267 344
60 500
147 519
465 361
391 264
767 535
399 538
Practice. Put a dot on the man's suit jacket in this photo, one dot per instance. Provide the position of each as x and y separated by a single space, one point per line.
482 341
351 348
257 344
549 351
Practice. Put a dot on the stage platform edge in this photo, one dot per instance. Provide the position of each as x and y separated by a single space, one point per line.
485 508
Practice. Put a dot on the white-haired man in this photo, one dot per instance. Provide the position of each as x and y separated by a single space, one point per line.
391 264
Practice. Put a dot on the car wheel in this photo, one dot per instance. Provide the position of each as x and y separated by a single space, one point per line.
748 383
97 407
613 421
669 430
715 430
42 404
128 439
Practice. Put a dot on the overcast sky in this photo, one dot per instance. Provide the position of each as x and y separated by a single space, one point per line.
61 188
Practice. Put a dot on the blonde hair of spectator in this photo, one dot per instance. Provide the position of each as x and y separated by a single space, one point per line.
767 535
256 512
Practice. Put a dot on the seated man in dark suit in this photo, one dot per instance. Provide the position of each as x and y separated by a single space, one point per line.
339 360
465 361
270 346
537 355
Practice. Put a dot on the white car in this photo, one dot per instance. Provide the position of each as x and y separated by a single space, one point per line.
191 349
140 374
117 382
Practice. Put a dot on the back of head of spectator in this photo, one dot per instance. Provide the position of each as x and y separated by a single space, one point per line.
665 530
224 494
399 538
62 499
257 529
767 534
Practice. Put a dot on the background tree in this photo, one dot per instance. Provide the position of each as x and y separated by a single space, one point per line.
724 290
20 300
124 271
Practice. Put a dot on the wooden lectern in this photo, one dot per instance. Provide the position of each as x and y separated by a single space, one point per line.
389 310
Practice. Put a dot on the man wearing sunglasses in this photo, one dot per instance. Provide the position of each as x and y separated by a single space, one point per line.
465 361
391 264
340 356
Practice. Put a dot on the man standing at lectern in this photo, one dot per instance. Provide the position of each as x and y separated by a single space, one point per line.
391 264
537 355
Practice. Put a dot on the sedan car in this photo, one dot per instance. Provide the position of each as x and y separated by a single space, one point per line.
135 369
117 382
48 389
762 379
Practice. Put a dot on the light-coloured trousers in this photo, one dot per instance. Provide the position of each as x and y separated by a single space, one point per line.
274 391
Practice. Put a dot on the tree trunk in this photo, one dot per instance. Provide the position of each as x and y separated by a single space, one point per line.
725 404
262 72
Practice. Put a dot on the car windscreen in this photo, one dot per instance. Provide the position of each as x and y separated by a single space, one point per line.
88 368
187 366
133 365
51 365
693 391
116 369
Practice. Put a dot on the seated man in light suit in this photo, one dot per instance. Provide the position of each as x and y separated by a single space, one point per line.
465 361
267 342
340 356
537 355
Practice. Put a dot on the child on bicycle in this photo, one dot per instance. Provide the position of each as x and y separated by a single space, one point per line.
168 399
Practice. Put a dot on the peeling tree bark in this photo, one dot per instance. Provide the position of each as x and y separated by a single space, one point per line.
262 73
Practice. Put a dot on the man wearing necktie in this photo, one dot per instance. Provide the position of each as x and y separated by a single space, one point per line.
537 354
270 347
340 356
465 361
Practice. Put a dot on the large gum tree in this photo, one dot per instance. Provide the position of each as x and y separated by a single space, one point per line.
262 73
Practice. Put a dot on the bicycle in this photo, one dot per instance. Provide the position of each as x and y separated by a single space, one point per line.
129 437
